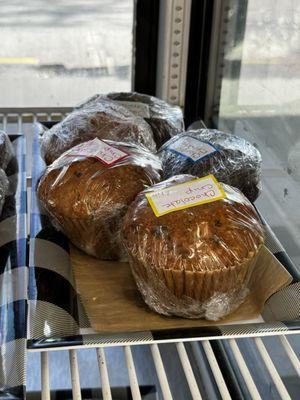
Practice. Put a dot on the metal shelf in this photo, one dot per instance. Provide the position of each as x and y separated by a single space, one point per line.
210 369
223 387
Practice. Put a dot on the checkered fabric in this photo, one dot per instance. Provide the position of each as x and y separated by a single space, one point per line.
13 278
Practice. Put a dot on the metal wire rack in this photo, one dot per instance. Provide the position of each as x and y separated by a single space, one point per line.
249 368
203 370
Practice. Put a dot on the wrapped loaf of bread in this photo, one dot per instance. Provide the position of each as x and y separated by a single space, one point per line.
231 159
6 150
105 119
166 120
88 189
4 185
191 245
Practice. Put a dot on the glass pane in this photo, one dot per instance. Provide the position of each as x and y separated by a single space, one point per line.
58 53
260 100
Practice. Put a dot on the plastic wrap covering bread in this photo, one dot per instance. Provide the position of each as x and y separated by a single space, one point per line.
89 188
6 150
166 120
230 158
105 119
192 262
4 184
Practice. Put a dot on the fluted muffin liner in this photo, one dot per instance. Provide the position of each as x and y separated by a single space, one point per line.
185 263
88 197
90 237
194 294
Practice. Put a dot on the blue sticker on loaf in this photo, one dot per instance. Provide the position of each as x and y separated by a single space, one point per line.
192 148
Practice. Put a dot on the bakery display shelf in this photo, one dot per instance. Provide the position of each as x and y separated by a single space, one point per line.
211 368
58 316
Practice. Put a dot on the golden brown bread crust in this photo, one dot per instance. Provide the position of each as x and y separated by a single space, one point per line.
104 120
166 120
88 199
197 251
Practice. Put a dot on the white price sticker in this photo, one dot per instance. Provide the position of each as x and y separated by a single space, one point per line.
192 148
189 194
138 109
100 150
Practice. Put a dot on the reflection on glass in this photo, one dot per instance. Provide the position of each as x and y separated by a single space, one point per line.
260 100
58 53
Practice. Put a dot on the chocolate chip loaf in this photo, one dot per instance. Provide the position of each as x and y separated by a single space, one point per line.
193 262
88 198
104 120
230 158
166 120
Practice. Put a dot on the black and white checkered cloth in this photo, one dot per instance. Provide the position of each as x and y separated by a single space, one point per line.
13 278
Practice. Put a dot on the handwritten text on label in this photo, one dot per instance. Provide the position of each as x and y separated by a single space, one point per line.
185 195
100 150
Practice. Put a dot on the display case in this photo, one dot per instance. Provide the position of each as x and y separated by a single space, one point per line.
230 65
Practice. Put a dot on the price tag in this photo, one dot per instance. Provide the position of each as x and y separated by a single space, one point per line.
184 195
100 150
192 148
